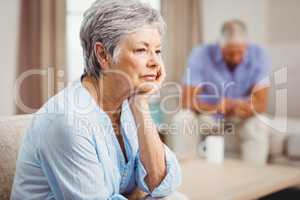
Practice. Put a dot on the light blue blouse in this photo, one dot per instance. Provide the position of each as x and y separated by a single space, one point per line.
70 151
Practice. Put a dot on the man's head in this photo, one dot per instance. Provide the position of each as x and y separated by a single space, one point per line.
233 41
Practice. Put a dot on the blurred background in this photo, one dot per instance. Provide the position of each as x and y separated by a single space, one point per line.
43 35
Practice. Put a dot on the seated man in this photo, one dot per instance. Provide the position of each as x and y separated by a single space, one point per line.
225 82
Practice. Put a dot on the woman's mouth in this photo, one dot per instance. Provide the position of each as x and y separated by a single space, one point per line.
150 77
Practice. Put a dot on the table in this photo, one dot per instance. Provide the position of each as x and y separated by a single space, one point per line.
234 180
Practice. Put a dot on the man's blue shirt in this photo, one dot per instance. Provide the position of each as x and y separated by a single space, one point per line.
207 69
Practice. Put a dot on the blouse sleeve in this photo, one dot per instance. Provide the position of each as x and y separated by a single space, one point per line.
171 181
69 159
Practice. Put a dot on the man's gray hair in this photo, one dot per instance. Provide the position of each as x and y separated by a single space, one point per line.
233 30
108 21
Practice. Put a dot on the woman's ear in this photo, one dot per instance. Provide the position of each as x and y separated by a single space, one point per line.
102 55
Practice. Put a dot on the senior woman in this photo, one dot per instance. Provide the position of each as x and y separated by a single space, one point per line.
95 139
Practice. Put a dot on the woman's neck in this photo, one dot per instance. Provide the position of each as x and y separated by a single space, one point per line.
108 95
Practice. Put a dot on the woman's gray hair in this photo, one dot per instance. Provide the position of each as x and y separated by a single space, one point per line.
108 21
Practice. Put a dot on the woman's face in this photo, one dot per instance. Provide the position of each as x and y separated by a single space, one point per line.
139 61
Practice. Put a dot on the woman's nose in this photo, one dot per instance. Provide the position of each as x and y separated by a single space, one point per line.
153 61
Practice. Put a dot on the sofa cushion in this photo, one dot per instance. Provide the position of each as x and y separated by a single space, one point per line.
277 143
11 131
293 146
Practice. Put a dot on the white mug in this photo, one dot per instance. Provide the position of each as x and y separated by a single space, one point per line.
213 149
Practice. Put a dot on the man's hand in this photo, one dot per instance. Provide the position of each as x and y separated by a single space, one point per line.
243 109
232 107
257 103
226 107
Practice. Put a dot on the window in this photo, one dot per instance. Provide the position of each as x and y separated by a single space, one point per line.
75 9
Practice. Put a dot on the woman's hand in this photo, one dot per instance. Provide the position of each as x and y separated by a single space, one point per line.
137 194
152 152
148 88
139 100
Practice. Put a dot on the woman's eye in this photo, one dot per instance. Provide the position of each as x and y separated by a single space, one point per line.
158 51
141 50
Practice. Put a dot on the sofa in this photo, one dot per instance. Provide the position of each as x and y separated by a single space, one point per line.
11 131
284 148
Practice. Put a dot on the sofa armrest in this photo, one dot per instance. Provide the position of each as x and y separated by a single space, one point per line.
277 144
293 146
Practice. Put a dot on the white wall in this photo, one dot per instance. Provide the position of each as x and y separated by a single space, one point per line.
75 9
8 53
284 44
252 12
275 25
